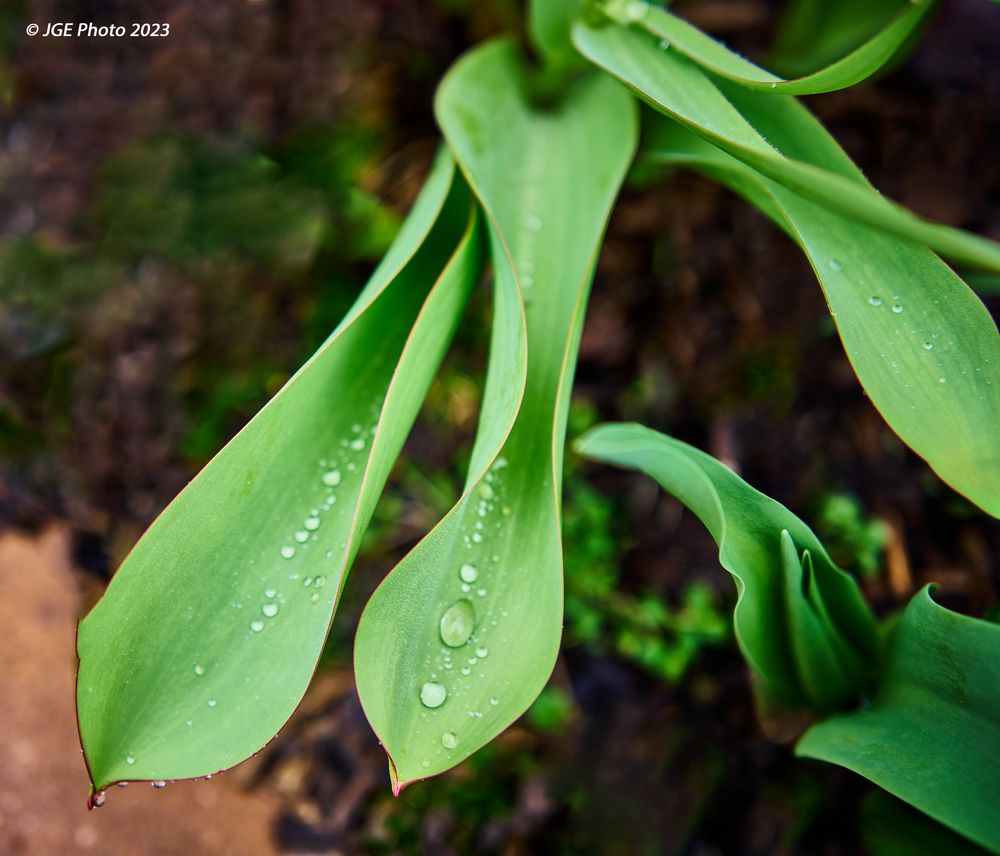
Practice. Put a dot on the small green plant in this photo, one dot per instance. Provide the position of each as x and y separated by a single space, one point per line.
209 633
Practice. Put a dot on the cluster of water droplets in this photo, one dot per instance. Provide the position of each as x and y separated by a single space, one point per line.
465 622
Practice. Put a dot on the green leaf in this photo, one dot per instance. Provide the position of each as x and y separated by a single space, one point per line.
921 343
549 23
800 621
889 827
677 34
932 734
804 157
546 178
210 631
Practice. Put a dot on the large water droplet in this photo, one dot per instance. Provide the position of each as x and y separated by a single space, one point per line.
331 478
457 623
469 573
287 552
256 625
432 694
269 609
449 740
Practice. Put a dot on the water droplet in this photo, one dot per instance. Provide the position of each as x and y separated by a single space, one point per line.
494 701
505 511
101 796
449 740
477 537
469 573
269 609
270 592
897 308
199 670
308 581
256 625
457 623
481 592
122 784
357 444
482 652
287 552
432 694
212 702
486 492
636 10
331 478
533 223
159 784
466 588
835 264
875 300
664 44
466 670
319 582
314 597
928 346
425 764
130 760
942 380
311 523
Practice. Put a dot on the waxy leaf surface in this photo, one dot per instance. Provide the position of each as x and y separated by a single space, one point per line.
462 636
207 636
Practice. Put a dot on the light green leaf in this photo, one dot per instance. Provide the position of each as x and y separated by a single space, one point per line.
922 344
800 621
434 688
816 167
932 734
677 34
209 633
549 23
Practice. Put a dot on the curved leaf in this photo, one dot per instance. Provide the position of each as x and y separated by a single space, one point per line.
801 622
461 637
209 633
820 170
861 63
922 344
932 734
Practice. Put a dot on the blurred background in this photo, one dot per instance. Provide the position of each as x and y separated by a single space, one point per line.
183 220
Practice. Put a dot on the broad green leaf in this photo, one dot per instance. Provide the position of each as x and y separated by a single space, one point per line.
461 637
676 34
932 733
818 169
800 621
549 23
922 344
209 633
889 827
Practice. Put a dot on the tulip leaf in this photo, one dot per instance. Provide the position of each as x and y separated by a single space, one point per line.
800 621
674 33
462 635
931 735
922 344
209 633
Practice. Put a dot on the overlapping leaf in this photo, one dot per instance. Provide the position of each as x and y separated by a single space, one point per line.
861 63
932 733
209 633
922 344
462 635
800 621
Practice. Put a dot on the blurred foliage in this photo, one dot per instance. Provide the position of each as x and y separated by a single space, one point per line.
854 540
601 612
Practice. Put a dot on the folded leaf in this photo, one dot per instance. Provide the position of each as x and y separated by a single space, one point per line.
801 622
677 34
816 167
932 734
209 633
462 636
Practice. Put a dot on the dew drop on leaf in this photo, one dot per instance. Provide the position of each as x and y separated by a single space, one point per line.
836 264
302 536
130 760
159 784
212 702
269 609
331 478
457 623
897 308
256 626
469 573
449 740
199 670
432 694
311 523
875 300
287 552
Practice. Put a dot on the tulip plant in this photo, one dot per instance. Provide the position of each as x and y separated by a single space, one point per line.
209 633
